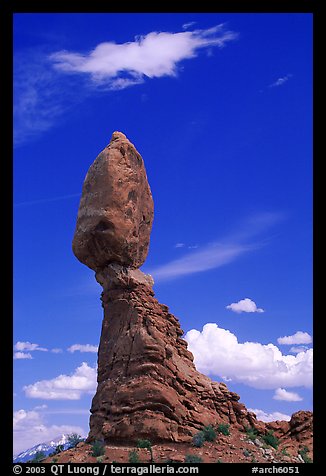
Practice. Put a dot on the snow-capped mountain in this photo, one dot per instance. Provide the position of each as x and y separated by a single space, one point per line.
47 448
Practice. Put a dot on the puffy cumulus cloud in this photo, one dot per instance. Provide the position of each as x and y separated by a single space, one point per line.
282 394
22 355
153 55
244 305
267 417
82 348
29 429
28 346
217 352
65 387
298 338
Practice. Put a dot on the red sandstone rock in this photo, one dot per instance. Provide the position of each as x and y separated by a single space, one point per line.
116 208
148 386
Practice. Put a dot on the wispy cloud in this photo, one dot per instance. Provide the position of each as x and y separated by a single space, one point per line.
154 55
188 25
218 253
82 348
46 200
41 94
281 81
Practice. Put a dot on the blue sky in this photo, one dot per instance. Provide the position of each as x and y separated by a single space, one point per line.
220 108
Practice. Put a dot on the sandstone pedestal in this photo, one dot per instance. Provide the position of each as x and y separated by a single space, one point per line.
148 386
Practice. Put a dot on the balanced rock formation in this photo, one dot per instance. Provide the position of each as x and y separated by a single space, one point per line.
148 386
116 209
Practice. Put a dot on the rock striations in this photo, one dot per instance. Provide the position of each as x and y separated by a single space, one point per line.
148 386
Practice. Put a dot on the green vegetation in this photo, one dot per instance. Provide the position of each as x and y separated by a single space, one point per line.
246 453
251 433
224 428
193 459
38 457
98 448
58 449
270 439
148 445
206 434
99 459
303 452
209 433
198 439
133 456
219 461
284 452
74 439
54 460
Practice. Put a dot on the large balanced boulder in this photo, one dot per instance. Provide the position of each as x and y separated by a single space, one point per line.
115 214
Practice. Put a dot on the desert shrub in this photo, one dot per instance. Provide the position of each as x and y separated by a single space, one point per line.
133 456
270 439
209 433
146 444
246 452
193 459
219 461
284 452
98 448
99 459
54 460
251 433
74 439
224 428
303 452
198 439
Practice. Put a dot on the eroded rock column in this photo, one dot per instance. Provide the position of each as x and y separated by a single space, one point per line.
148 386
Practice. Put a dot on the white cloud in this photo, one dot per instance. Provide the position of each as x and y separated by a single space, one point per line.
154 55
22 355
40 407
298 338
244 305
296 350
56 350
210 257
41 94
217 352
23 346
29 429
65 387
179 245
83 348
217 254
267 417
281 81
282 394
188 25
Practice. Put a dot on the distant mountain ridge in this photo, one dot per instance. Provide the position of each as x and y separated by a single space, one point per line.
47 448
